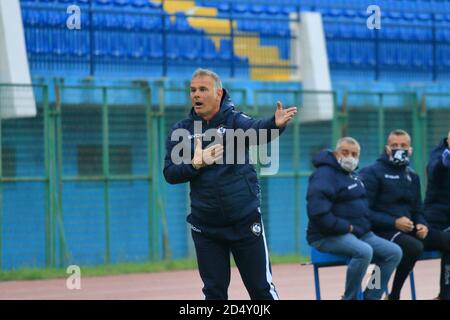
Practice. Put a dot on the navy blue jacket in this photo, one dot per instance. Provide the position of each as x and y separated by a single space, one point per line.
437 200
336 199
393 192
221 194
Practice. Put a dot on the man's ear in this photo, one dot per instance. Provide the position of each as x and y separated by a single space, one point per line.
219 93
387 150
410 151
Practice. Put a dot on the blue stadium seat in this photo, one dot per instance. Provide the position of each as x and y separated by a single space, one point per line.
272 10
363 33
343 56
257 9
438 17
338 53
138 46
149 22
225 52
173 48
155 5
208 49
99 20
156 46
422 57
335 12
362 55
248 25
388 55
81 40
240 8
350 13
117 45
191 47
404 56
346 31
331 30
422 33
222 7
443 57
59 43
181 24
129 22
102 2
30 17
287 9
121 3
407 33
101 43
139 3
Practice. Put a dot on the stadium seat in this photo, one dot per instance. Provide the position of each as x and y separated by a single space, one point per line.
272 10
321 259
121 3
257 9
156 46
208 49
405 56
388 55
240 8
181 24
139 3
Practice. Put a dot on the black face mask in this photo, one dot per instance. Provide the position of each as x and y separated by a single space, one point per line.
399 157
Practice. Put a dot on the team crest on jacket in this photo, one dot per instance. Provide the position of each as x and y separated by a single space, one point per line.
221 131
256 228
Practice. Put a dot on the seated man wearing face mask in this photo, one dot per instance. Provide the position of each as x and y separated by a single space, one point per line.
437 204
338 219
396 209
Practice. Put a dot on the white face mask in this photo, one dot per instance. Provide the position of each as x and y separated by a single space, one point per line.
349 164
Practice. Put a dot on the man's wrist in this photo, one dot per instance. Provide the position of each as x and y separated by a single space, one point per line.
196 166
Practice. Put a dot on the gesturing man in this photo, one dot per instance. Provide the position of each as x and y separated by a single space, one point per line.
225 197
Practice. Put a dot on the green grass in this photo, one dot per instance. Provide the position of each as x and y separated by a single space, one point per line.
124 268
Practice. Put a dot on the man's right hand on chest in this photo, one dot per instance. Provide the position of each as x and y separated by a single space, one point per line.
206 157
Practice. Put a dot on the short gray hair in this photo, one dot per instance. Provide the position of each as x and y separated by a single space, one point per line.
205 72
349 140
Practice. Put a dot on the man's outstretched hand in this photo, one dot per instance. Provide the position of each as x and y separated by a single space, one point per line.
283 116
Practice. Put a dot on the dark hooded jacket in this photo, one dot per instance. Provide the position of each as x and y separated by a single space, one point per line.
336 199
221 194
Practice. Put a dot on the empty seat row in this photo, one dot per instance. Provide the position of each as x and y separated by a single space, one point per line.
139 4
390 55
360 31
122 45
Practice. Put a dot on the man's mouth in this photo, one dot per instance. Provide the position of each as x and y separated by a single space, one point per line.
198 104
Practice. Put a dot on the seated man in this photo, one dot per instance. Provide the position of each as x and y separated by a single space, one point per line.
338 219
396 209
437 204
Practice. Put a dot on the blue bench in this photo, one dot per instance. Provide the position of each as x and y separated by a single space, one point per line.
320 260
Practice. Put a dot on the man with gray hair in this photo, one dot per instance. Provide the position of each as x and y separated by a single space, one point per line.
338 219
225 198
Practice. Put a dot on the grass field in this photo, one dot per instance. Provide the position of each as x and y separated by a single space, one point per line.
124 268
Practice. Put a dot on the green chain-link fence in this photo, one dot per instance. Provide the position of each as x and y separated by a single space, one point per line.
82 183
